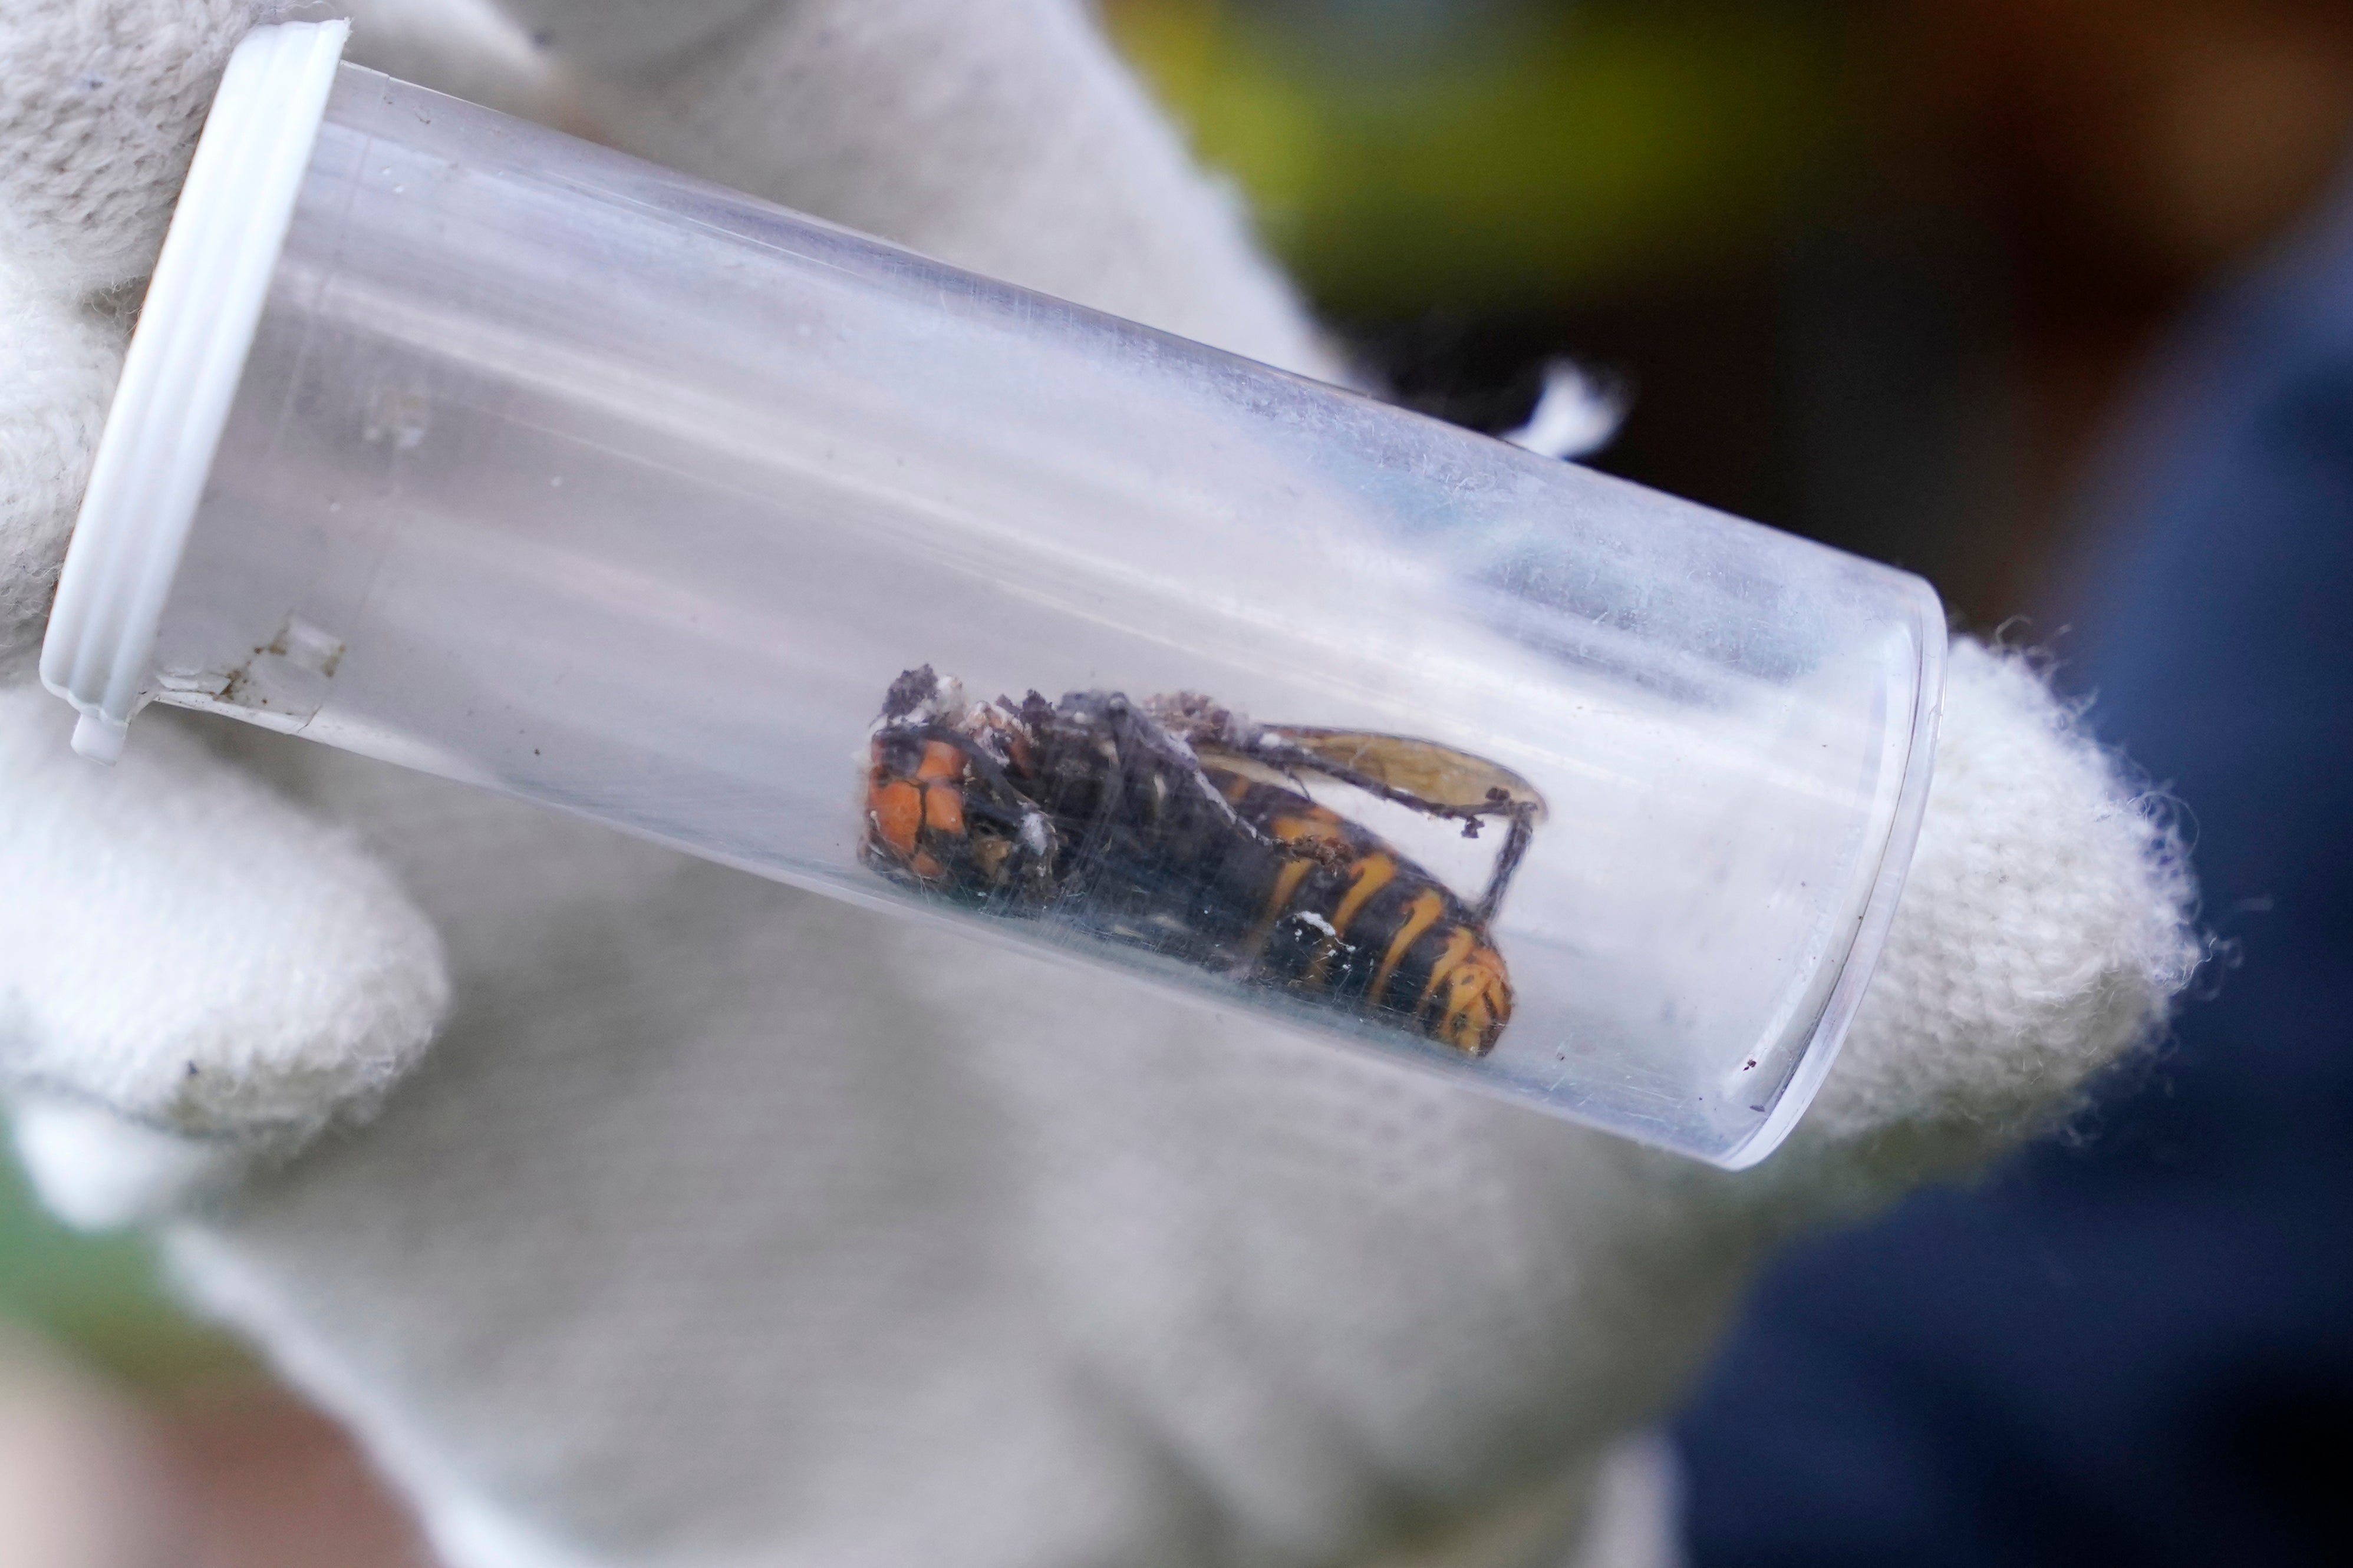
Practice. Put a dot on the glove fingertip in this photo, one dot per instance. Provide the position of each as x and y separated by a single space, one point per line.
2046 929
189 948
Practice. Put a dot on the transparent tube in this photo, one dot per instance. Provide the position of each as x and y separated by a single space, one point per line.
560 474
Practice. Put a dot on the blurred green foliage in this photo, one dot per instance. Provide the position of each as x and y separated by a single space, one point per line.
1401 153
96 1295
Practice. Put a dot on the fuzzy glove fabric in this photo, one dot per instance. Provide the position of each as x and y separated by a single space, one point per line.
724 1224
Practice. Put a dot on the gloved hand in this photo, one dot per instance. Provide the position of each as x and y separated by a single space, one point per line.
726 1224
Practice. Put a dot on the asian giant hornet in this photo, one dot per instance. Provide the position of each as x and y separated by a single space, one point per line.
1175 824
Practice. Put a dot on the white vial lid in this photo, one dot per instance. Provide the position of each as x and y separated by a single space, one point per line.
194 331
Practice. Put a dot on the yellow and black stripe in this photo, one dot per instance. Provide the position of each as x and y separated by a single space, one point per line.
1346 918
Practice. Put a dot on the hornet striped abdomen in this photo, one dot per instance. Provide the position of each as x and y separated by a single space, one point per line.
1176 826
1349 918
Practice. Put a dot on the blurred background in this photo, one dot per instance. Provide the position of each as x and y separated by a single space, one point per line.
1885 273
1872 270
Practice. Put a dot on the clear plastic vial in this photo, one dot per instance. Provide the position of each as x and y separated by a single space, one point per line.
463 444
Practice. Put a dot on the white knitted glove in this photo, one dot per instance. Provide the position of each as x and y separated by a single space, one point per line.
724 1224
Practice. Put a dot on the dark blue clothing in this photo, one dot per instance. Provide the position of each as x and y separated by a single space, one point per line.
2134 1346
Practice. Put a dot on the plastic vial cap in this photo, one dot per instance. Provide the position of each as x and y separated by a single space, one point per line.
177 382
